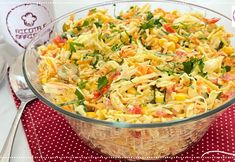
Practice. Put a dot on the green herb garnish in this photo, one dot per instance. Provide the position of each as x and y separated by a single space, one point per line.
85 23
93 10
98 24
64 36
82 84
72 47
149 15
79 94
79 28
95 61
112 25
119 17
151 23
102 82
188 66
227 68
116 47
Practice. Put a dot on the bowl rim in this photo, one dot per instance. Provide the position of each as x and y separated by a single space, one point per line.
120 124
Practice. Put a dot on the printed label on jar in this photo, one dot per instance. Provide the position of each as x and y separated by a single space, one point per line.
25 21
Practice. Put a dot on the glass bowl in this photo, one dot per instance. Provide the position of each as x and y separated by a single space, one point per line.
116 139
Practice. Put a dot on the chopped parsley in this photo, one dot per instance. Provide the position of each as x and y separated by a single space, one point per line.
152 23
85 23
149 15
72 47
82 84
79 94
112 25
189 65
226 69
119 17
116 47
95 61
79 28
98 24
102 82
94 10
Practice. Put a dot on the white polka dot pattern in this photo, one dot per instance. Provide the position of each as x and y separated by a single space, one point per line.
51 138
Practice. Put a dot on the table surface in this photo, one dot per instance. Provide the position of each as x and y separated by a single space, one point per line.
21 152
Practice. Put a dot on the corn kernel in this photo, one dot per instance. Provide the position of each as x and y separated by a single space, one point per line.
100 114
144 108
173 38
180 96
171 46
131 90
43 80
188 50
228 50
159 99
76 56
93 86
175 12
162 41
91 114
51 47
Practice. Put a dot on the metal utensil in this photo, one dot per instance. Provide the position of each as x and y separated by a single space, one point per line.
25 95
3 68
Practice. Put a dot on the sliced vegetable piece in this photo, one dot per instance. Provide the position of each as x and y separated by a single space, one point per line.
169 28
136 110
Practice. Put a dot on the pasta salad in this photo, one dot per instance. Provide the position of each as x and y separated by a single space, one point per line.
143 66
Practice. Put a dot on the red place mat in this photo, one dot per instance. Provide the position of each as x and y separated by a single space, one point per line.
51 138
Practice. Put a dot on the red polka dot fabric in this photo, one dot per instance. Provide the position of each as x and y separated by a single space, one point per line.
51 138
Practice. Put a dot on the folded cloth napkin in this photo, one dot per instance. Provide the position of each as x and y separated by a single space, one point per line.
51 138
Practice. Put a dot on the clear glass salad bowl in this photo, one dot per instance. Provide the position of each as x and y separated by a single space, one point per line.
116 139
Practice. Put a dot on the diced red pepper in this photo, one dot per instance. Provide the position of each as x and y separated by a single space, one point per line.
169 28
136 110
105 89
97 94
59 40
113 75
212 20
